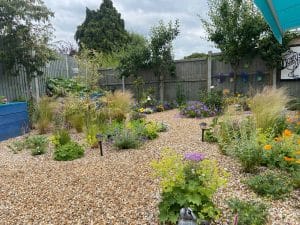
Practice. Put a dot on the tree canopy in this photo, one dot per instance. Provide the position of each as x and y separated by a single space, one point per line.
103 30
235 26
161 47
195 55
25 31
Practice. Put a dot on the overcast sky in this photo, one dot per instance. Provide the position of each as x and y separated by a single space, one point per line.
139 16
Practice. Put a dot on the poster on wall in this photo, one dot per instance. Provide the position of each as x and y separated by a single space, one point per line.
291 64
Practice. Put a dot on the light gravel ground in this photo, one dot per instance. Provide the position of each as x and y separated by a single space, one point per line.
116 189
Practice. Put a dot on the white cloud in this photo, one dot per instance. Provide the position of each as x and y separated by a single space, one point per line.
139 16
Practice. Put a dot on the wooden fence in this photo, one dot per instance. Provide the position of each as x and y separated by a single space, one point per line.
192 76
195 75
14 87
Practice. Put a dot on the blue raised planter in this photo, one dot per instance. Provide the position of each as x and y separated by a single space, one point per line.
14 120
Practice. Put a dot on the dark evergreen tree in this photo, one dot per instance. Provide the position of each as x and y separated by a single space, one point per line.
103 29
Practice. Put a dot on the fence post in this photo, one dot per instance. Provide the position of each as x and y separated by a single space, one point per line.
161 88
67 66
209 71
37 90
123 84
274 78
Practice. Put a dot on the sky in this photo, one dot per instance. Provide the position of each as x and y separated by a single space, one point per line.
139 17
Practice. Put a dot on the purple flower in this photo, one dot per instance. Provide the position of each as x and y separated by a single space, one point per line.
194 156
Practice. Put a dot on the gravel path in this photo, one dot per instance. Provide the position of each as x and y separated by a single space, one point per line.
115 189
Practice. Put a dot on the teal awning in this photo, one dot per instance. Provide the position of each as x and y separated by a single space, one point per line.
281 15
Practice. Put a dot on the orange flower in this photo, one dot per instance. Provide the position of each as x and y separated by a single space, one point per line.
289 120
268 147
289 159
287 133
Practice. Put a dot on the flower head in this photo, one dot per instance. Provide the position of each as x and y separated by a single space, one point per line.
288 159
194 156
287 133
267 147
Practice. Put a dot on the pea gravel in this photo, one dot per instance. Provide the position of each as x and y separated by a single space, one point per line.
117 188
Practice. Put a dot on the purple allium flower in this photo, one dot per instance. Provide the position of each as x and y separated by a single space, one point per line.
194 156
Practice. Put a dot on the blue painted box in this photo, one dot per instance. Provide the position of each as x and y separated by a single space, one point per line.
14 120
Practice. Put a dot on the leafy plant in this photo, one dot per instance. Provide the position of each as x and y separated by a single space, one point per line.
271 184
249 212
91 131
68 151
246 147
162 127
17 146
268 106
126 139
213 100
37 144
60 137
151 130
187 182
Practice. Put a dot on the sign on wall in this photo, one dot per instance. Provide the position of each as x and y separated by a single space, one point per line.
291 64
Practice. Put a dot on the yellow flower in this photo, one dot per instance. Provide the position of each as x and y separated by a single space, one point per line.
277 139
298 123
297 152
289 159
298 141
268 147
287 133
298 161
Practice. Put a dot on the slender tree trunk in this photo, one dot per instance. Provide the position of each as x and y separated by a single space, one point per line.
235 72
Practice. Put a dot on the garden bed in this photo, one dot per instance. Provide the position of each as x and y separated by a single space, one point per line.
117 188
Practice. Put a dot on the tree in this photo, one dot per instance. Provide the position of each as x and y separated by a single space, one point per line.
270 50
162 61
135 57
235 27
195 55
103 30
25 31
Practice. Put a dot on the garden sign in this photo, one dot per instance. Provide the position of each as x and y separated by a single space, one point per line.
290 64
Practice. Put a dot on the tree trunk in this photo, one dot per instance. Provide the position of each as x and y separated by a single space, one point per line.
235 71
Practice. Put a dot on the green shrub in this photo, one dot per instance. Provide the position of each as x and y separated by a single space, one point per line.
213 99
249 212
91 132
282 152
271 184
17 146
61 137
209 136
189 181
296 178
69 151
137 115
37 144
268 105
126 139
294 105
162 127
151 130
